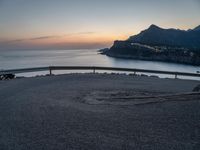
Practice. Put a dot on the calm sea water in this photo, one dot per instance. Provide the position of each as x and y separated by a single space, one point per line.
24 59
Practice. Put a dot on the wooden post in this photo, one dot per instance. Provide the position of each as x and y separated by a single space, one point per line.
50 71
176 76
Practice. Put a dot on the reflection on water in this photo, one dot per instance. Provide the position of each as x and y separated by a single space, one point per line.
25 59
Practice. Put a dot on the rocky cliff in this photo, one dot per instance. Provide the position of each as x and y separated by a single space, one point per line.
155 43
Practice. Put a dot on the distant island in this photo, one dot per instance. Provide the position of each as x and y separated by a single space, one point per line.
158 44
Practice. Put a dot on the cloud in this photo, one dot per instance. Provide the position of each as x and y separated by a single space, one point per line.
46 37
85 33
28 39
79 33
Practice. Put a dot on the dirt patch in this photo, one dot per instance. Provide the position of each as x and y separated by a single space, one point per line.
134 97
118 97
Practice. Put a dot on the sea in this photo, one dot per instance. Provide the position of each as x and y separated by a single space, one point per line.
17 59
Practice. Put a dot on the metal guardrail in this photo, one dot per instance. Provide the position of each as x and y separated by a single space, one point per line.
94 68
24 70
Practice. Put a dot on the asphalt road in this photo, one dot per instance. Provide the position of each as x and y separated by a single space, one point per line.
99 112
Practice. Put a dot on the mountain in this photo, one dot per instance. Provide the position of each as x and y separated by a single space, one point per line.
197 28
156 43
155 35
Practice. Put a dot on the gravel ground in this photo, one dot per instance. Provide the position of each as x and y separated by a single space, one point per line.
99 112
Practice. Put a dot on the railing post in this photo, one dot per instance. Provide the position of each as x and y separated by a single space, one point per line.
94 70
176 76
50 71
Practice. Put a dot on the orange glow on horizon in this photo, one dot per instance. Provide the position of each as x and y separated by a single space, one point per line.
69 40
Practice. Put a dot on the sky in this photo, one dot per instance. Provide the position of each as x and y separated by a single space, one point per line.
87 24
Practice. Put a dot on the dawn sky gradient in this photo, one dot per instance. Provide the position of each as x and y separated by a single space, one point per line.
83 24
